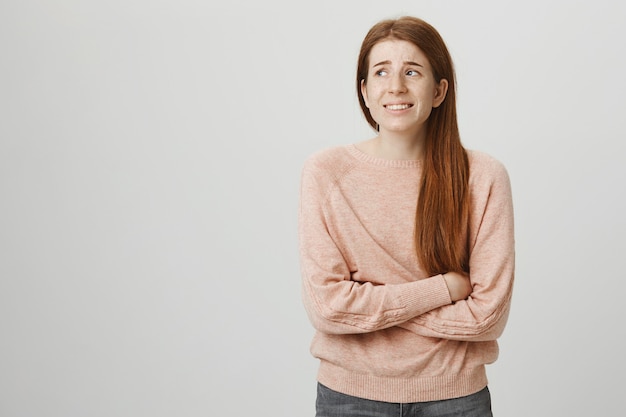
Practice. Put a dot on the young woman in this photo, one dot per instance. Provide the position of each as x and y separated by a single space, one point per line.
406 241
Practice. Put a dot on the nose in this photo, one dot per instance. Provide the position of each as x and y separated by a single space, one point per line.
397 84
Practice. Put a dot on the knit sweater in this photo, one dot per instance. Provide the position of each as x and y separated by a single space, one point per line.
385 329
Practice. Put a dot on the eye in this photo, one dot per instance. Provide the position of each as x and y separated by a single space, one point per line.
412 73
381 73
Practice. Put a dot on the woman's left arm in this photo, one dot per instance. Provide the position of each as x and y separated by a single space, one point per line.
483 315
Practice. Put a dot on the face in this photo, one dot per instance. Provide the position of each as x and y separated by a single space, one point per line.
400 90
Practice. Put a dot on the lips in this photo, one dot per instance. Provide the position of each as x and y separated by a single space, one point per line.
398 106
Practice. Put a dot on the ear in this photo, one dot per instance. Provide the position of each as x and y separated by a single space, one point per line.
440 92
364 93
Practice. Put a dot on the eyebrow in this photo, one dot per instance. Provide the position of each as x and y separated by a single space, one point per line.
405 62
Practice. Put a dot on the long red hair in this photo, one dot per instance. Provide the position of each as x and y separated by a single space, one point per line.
442 213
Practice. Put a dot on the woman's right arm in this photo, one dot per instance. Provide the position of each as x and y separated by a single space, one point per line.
459 285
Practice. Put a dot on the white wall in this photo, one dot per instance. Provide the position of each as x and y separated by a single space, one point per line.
150 154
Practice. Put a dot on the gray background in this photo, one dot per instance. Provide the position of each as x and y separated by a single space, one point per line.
150 154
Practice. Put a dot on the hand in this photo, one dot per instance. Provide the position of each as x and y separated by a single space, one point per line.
459 285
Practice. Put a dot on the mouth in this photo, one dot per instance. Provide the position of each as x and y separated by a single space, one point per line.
398 106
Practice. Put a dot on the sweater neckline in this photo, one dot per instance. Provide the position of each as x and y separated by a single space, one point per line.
381 162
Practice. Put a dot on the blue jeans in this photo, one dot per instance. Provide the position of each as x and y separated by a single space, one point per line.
331 403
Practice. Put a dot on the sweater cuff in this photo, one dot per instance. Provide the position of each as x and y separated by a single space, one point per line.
427 294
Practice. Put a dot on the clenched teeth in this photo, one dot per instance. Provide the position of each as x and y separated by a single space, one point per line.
397 106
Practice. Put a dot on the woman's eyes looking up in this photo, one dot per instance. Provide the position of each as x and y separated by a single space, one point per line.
410 73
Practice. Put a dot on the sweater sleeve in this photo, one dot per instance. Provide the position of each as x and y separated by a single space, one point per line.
334 302
484 314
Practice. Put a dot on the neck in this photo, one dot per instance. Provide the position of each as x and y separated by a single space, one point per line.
392 145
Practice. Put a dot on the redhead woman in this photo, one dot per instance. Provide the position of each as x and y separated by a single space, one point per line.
406 244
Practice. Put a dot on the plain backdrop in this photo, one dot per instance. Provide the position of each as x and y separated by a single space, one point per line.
150 155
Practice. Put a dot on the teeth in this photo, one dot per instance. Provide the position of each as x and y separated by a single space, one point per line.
398 106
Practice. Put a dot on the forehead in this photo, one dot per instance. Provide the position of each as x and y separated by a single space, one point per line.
396 51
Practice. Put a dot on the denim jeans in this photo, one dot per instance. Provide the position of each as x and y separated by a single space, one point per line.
331 403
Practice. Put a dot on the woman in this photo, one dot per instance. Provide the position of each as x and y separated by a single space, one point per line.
406 241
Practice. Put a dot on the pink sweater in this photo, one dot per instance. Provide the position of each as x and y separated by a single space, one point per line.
386 330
